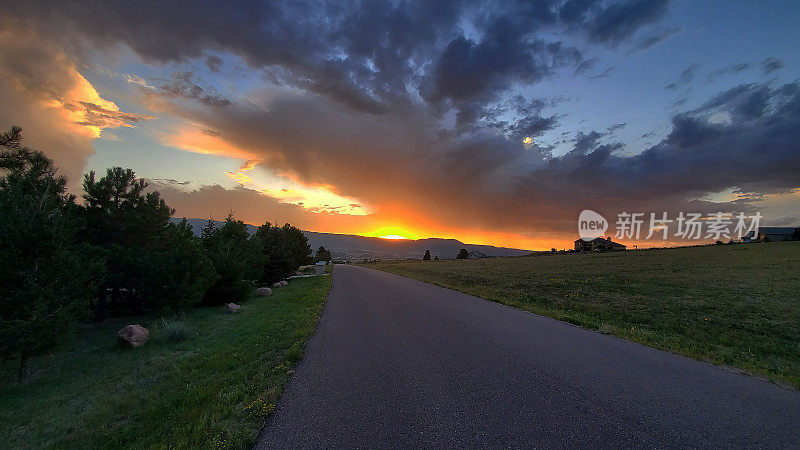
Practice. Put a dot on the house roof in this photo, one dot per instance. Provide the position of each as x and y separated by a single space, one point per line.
602 241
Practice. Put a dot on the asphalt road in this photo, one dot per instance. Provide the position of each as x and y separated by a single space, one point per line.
400 363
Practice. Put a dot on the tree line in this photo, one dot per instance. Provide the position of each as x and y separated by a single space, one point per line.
115 253
462 254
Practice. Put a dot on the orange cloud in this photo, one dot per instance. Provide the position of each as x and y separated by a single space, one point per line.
282 187
198 140
57 107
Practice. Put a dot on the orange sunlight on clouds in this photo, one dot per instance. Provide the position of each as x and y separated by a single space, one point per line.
203 142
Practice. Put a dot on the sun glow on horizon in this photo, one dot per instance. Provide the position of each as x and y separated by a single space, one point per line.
392 233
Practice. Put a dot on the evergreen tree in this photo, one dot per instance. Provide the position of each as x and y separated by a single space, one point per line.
462 254
187 272
279 254
47 277
237 260
298 244
427 256
323 254
130 225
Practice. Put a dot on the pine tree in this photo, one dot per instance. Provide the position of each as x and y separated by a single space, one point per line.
323 254
284 250
427 256
47 277
237 260
130 225
187 272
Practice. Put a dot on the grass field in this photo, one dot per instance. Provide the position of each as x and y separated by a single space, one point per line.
215 389
737 305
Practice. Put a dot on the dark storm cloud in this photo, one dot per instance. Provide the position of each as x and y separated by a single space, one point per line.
368 56
745 138
619 21
755 150
519 117
183 85
771 64
586 141
611 22
470 73
533 125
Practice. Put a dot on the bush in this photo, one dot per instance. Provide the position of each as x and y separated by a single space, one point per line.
176 330
294 354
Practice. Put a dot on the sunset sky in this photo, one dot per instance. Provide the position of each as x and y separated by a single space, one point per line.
489 122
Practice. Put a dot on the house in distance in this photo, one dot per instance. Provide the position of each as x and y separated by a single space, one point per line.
599 244
778 234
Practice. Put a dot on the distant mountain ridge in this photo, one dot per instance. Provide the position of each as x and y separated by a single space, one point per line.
355 248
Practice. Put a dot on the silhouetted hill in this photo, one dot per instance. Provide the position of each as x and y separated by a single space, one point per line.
352 247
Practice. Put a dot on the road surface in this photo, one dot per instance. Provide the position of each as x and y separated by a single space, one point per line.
399 363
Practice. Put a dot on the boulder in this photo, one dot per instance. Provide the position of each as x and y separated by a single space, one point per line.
277 284
231 308
263 292
284 283
132 336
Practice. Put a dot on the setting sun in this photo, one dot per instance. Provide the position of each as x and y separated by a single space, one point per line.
394 233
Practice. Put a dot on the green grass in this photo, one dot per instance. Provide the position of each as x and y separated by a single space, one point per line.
737 305
213 389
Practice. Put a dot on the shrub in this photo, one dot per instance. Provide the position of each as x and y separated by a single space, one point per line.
176 330
294 354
